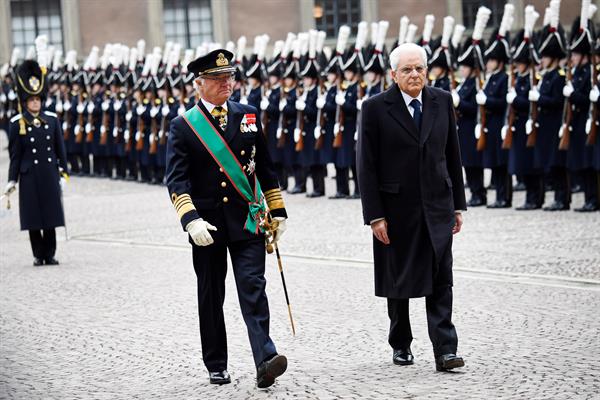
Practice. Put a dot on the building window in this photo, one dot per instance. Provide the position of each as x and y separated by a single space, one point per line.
30 18
331 14
187 22
470 7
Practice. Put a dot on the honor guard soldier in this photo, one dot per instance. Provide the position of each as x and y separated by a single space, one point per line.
440 62
240 73
37 155
492 97
594 119
550 102
256 73
523 71
219 174
377 65
576 92
470 67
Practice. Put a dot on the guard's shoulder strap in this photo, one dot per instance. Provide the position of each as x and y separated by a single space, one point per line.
16 118
50 113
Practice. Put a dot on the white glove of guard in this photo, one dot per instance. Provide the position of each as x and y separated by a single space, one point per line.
63 184
568 90
359 104
340 98
320 102
58 107
199 232
2 98
481 98
455 98
511 96
90 107
529 126
264 103
88 127
594 94
300 105
12 95
317 132
181 110
165 110
128 116
140 109
117 105
10 187
154 112
279 133
80 108
282 104
67 105
280 229
244 101
296 135
534 95
105 106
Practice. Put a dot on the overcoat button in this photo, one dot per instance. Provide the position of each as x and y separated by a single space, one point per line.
225 199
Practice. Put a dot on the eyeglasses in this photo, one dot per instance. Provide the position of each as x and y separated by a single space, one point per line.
221 79
408 70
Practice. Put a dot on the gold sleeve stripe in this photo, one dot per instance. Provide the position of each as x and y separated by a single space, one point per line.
274 205
185 209
182 203
274 199
272 191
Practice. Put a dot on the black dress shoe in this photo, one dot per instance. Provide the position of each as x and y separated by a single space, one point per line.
528 206
519 187
297 190
51 261
354 196
476 202
587 207
270 370
315 194
338 196
219 378
37 262
448 362
403 357
500 204
557 206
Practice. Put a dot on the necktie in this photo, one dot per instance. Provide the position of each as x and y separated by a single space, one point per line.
416 105
220 114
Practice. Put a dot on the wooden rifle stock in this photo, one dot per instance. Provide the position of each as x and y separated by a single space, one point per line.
129 139
141 126
321 118
299 123
80 125
507 143
532 138
282 120
567 116
105 125
482 141
154 128
339 121
593 134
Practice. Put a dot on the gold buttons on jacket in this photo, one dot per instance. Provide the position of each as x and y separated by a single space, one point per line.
225 199
223 184
243 152
220 169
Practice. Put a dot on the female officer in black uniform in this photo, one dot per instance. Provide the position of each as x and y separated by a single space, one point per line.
37 158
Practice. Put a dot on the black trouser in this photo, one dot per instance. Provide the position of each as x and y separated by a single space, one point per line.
475 182
74 163
159 174
341 181
121 167
282 175
534 186
439 322
85 164
300 177
248 262
133 170
503 183
145 173
562 186
43 246
355 179
317 173
589 181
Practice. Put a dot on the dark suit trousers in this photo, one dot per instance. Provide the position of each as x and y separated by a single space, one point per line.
248 262
43 246
439 322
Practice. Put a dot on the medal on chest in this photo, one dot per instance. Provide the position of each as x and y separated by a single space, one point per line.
248 123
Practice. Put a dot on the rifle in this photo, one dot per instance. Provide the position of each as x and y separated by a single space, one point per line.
154 127
105 122
594 113
281 131
482 140
338 128
532 121
299 123
66 116
117 118
567 115
89 138
141 126
127 136
265 90
79 127
320 117
508 139
164 125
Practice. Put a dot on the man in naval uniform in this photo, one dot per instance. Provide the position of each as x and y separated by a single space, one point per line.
219 174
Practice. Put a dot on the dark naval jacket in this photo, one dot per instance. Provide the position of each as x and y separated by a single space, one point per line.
35 158
495 112
200 189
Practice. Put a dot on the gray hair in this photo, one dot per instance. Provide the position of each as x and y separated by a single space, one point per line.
402 50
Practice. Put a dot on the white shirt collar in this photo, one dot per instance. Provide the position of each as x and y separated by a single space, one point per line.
408 99
210 106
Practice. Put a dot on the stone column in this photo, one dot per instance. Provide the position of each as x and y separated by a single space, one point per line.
70 26
307 19
5 32
220 21
155 28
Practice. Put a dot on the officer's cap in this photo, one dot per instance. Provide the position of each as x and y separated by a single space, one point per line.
216 62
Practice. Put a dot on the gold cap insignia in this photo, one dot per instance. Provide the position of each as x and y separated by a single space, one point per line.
221 60
34 83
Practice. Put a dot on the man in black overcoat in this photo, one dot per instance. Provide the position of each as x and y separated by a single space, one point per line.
410 176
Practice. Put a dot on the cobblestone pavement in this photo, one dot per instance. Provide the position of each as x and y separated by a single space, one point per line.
117 318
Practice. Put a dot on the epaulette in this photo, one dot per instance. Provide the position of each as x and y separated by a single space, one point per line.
538 76
16 118
171 100
158 102
561 72
50 113
286 89
344 85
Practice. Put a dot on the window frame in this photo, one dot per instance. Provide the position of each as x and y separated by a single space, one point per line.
35 7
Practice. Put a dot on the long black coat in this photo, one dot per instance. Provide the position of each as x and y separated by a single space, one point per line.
520 157
34 161
550 114
414 180
466 122
495 111
579 155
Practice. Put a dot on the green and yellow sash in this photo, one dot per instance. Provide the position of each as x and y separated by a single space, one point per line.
224 157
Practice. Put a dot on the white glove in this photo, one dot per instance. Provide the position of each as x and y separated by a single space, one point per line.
280 229
317 132
199 232
63 183
64 125
140 109
594 94
128 116
296 135
90 107
511 96
117 105
181 110
321 102
340 98
59 107
300 105
279 133
67 105
568 90
2 98
529 126
115 132
336 128
282 104
481 98
88 127
10 187
12 95
165 110
356 135
153 112
455 98
477 131
503 132
264 103
126 135
244 100
80 108
588 126
105 106
534 95
359 104
48 102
